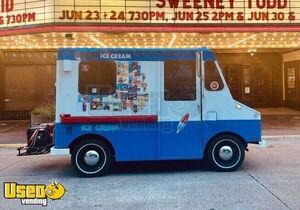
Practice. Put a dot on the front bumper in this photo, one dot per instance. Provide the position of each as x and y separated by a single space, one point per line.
60 152
262 144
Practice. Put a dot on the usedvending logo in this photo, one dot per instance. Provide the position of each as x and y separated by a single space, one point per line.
34 194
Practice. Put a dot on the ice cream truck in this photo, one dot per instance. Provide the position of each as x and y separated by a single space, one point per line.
147 105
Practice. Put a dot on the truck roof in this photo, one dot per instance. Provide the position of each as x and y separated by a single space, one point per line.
142 54
135 49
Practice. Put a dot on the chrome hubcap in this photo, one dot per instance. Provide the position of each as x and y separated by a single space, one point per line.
226 153
91 157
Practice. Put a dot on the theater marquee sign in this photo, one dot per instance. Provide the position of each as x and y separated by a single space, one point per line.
20 13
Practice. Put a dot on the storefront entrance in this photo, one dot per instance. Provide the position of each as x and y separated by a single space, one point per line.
254 80
292 83
29 81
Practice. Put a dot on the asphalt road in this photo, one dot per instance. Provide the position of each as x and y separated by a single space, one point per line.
268 179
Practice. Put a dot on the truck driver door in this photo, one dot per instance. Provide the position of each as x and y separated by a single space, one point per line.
214 92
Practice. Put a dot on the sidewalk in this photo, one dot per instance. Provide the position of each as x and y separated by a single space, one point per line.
280 121
13 132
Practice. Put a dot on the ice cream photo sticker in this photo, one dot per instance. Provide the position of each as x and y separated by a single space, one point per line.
184 120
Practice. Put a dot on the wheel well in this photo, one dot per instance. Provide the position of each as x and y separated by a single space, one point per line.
225 133
94 136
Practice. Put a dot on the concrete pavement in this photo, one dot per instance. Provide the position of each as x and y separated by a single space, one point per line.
268 179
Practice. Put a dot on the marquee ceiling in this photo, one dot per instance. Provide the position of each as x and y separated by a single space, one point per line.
278 40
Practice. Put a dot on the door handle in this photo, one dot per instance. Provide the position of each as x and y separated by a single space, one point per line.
199 109
202 86
7 100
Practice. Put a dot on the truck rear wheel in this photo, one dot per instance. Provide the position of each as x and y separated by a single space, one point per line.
226 153
91 158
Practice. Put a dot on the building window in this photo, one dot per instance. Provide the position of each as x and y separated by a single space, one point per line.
213 80
97 77
180 80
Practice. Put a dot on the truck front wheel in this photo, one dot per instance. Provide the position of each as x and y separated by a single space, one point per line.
91 158
226 153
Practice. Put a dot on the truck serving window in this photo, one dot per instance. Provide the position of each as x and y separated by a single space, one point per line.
97 77
213 81
180 80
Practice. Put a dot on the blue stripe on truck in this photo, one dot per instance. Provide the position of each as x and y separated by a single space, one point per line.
158 141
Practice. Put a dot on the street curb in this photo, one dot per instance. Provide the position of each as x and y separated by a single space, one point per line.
12 145
281 137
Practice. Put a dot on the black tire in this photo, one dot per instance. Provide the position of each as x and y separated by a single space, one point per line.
225 153
96 153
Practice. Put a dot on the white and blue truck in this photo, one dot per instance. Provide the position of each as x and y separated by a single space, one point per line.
147 105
